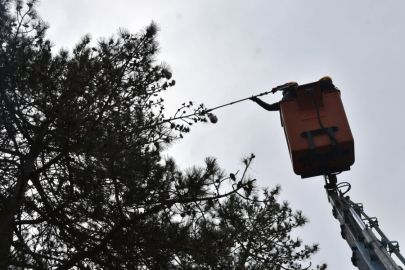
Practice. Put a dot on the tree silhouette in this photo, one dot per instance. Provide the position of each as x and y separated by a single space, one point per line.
83 183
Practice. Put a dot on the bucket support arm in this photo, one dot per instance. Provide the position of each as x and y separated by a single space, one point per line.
368 252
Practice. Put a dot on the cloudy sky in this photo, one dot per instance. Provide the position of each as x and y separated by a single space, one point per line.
221 51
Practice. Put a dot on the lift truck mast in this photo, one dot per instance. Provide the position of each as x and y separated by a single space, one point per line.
320 142
368 251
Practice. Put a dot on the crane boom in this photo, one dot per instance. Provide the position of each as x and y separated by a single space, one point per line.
368 252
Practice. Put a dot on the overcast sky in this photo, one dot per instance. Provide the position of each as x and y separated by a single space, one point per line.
221 51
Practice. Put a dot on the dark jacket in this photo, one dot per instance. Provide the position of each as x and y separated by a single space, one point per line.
291 93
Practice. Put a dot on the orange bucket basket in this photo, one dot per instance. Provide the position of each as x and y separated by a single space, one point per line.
317 150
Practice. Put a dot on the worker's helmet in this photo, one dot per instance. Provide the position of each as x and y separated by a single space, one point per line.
289 88
326 78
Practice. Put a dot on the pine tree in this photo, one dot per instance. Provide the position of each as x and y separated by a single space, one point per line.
83 184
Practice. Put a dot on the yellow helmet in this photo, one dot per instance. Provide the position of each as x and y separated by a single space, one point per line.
291 83
327 78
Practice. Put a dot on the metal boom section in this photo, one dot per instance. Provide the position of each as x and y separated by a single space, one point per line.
368 252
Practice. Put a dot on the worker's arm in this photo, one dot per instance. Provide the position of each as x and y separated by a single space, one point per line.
266 106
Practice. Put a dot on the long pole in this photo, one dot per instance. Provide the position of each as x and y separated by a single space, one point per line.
278 88
234 102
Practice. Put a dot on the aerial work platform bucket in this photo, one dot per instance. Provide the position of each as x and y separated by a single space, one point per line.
316 150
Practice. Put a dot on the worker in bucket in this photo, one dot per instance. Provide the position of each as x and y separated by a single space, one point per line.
290 92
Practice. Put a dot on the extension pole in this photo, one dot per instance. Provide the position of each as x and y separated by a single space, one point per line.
278 88
234 102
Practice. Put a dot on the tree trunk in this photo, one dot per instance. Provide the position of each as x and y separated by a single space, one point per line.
11 207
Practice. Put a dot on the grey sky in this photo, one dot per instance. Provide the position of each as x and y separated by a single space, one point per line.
221 51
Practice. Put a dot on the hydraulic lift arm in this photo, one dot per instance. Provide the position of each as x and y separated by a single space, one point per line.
369 252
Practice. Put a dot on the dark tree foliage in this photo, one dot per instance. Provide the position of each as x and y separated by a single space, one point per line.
82 181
